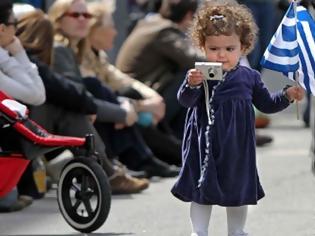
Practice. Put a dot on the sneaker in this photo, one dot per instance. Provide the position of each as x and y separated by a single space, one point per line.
122 183
137 174
120 167
156 167
26 200
22 202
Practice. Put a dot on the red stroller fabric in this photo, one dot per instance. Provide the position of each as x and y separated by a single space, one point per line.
11 169
13 165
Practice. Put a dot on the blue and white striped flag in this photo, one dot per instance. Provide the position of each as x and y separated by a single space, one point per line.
292 48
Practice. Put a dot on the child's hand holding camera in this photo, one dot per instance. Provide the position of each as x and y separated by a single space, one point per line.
194 77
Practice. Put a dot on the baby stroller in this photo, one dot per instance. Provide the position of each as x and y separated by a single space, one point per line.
83 193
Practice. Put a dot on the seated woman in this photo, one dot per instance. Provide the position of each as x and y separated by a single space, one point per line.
18 78
70 19
94 63
69 107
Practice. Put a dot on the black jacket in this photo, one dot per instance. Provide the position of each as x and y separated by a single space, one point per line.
63 92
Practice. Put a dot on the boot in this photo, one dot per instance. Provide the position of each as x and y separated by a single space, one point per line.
155 167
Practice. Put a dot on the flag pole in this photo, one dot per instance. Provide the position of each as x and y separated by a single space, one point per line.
296 77
296 73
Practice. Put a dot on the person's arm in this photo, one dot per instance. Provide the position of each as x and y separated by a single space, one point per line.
148 101
118 80
151 102
119 114
19 77
189 95
64 93
267 102
65 63
109 112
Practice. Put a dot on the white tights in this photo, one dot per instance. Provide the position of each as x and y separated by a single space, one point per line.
200 217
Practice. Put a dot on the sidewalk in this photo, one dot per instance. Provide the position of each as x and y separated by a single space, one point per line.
289 207
287 210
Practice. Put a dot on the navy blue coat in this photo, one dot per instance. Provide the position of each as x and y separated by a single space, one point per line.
219 158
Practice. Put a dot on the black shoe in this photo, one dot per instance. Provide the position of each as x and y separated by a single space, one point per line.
156 167
262 140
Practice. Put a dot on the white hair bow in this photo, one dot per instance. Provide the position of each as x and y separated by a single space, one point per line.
216 17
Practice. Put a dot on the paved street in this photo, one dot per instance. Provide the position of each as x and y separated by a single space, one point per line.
287 210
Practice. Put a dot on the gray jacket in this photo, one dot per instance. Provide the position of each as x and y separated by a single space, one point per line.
65 63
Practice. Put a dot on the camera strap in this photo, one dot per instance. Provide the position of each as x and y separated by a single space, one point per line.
210 114
206 89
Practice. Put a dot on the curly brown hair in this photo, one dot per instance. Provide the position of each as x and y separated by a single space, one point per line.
224 18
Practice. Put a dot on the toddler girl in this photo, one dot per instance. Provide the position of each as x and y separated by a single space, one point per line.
219 161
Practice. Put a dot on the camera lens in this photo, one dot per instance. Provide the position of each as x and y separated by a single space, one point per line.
211 73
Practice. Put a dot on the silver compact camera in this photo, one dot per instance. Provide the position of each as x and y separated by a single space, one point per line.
210 70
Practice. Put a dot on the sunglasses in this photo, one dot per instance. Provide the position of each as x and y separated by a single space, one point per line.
86 15
14 23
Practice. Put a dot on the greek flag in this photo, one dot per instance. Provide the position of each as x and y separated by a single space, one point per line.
292 48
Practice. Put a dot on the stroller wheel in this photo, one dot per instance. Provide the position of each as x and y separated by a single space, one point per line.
84 194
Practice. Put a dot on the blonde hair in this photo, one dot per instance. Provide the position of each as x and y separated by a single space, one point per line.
224 18
57 10
100 10
55 13
36 33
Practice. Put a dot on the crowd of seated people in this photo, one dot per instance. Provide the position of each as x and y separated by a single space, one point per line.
119 136
72 88
67 102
